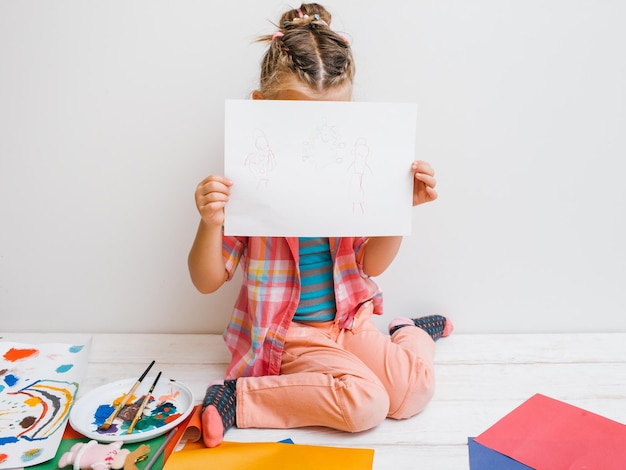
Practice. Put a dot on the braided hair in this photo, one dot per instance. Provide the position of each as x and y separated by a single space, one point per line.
306 47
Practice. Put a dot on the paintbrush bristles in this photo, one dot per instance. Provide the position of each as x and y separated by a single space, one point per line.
107 424
145 401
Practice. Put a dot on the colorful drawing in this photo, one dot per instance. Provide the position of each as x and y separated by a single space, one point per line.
38 410
38 387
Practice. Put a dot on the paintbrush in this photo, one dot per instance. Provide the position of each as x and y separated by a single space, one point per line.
107 424
145 401
161 449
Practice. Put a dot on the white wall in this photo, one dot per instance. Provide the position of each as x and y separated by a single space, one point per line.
112 111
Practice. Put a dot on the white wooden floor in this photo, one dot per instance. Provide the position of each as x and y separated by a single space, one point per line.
480 379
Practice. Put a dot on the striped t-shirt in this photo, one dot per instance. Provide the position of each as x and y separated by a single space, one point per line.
317 296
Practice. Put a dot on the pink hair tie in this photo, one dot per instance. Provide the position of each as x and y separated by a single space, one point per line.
300 14
277 34
345 39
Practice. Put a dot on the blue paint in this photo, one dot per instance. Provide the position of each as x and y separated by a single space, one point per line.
7 440
102 413
77 348
64 368
11 380
31 454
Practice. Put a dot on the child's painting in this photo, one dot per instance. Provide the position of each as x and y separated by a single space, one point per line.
313 168
38 385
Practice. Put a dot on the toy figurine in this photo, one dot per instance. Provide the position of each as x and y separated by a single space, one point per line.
95 456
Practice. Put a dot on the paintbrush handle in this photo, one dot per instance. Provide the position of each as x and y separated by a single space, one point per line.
139 413
126 397
121 404
161 449
145 372
145 401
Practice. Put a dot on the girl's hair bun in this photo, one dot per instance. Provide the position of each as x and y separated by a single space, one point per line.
307 13
306 48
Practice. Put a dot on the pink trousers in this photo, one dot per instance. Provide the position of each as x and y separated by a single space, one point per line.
350 380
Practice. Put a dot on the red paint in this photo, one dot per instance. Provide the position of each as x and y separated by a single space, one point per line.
171 418
13 354
42 416
3 457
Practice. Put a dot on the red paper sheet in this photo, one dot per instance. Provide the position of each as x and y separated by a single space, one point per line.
547 434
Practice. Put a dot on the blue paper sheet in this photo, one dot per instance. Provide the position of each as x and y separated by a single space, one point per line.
484 458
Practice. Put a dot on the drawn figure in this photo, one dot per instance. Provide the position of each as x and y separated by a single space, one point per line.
36 411
261 161
324 147
358 170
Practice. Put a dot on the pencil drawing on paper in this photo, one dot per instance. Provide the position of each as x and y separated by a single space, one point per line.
319 167
261 161
324 146
359 169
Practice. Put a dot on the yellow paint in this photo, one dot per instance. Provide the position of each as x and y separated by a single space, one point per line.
32 401
121 397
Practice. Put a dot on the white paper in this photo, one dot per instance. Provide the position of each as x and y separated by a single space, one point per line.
319 168
38 385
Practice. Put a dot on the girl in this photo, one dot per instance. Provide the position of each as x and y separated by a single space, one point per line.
305 349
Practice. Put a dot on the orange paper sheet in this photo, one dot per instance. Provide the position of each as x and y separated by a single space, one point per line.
189 430
269 455
547 434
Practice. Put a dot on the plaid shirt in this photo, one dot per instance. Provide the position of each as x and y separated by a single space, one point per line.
270 293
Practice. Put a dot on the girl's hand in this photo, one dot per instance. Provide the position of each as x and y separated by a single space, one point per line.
211 197
423 182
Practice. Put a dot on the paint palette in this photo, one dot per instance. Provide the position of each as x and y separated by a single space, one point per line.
171 403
